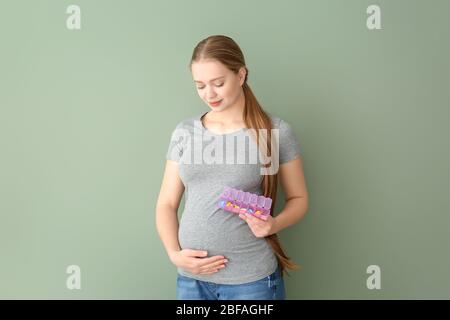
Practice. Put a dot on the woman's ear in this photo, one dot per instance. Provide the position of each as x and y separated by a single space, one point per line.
242 74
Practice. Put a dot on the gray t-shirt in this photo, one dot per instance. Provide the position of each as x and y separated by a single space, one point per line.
204 226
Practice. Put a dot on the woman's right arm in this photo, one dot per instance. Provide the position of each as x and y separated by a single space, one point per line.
169 198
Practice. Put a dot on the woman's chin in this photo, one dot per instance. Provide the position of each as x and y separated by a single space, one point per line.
217 109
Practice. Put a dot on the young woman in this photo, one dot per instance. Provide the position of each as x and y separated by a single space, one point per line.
220 255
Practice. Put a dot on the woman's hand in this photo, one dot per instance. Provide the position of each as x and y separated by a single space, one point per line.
195 261
260 228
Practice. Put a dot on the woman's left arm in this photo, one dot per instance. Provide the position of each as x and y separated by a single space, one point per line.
293 183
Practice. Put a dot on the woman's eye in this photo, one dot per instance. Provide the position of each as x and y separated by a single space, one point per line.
217 85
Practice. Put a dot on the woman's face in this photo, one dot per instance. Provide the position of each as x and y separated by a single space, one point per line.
215 83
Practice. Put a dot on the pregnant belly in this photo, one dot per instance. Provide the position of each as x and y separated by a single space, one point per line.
219 237
232 238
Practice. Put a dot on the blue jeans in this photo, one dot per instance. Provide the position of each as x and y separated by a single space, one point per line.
267 288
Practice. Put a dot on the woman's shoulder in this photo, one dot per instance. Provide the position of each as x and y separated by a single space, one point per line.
277 122
289 144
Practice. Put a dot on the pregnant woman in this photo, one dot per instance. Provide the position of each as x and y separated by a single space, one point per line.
221 255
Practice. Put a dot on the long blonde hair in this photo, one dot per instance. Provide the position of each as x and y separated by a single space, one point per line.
225 50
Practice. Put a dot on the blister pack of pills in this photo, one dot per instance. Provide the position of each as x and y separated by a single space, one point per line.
238 201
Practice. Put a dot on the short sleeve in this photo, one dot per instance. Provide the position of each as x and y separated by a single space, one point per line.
176 144
289 146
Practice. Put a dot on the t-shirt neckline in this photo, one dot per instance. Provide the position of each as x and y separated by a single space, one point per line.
199 118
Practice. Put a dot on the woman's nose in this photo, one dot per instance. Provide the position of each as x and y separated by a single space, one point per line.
210 93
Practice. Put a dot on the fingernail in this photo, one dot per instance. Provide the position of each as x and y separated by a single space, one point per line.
226 260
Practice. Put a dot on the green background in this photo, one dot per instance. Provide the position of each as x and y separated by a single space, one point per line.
86 118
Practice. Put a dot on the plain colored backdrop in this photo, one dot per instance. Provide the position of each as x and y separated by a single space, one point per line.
86 117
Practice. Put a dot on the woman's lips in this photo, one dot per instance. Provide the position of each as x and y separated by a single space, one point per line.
215 104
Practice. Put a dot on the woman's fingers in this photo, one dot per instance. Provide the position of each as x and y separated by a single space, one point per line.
209 261
215 265
210 272
206 261
207 265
